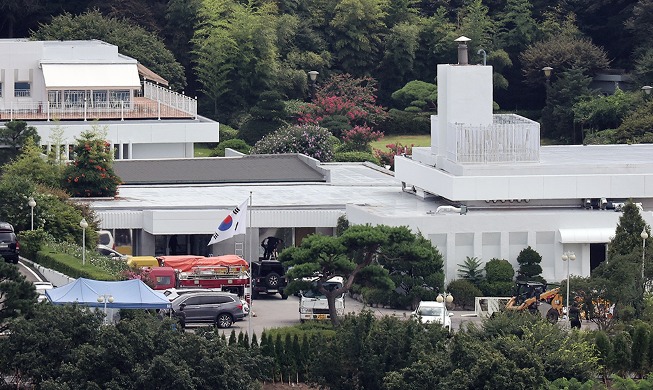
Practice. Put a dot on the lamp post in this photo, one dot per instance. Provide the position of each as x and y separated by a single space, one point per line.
312 75
442 298
644 236
547 73
32 203
568 257
647 89
105 298
84 225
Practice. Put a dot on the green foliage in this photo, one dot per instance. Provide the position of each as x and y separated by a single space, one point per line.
17 295
498 281
529 265
471 270
265 117
416 90
31 165
14 135
235 144
558 114
342 225
356 157
404 122
563 53
31 241
132 40
636 126
605 112
91 173
227 132
464 293
311 140
236 58
357 28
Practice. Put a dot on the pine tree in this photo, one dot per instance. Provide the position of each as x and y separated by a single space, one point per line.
529 265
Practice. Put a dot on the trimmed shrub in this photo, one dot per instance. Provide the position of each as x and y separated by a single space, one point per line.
31 241
356 157
236 144
403 122
311 140
464 293
227 132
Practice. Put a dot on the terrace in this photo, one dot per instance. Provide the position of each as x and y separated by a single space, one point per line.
156 102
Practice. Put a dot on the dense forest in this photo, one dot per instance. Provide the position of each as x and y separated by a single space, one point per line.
230 52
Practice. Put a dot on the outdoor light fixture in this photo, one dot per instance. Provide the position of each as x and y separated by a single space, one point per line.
547 71
568 257
32 203
647 89
84 225
644 236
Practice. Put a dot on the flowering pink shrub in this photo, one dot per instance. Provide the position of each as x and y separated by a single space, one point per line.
388 157
360 137
308 139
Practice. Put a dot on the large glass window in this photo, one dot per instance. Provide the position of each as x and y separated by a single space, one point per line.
22 89
0 89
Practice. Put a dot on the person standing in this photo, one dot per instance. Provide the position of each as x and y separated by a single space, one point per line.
574 316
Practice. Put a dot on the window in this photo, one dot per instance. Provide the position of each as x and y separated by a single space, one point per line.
0 89
22 89
215 300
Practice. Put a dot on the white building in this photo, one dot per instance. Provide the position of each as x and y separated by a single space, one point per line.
66 87
516 193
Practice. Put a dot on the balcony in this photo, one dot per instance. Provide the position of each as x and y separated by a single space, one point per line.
157 103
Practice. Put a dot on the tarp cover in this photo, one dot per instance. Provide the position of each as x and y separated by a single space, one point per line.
127 294
186 263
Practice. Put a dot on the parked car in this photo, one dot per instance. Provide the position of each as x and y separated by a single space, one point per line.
9 246
174 293
268 276
434 312
41 287
105 238
216 307
113 254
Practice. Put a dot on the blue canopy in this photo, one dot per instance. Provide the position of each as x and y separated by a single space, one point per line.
125 294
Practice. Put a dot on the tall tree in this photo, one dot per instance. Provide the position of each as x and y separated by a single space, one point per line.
558 115
17 295
236 57
13 136
91 173
357 30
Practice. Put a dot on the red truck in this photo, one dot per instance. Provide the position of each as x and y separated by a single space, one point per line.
228 273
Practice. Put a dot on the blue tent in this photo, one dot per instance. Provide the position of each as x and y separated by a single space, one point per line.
125 294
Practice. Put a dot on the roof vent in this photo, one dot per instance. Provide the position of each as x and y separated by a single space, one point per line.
462 50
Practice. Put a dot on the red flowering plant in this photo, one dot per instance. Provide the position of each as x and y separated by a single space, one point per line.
388 157
343 96
142 273
359 138
90 174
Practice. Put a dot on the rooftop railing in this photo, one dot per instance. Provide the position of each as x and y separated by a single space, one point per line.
510 138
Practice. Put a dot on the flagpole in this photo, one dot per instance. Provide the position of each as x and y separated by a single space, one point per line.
251 288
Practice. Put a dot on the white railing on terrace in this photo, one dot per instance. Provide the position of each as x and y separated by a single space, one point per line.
510 138
170 98
90 111
22 93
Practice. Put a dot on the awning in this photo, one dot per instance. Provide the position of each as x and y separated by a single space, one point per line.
91 76
586 236
150 75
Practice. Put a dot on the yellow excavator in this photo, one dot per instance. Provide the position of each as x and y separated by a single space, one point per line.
534 297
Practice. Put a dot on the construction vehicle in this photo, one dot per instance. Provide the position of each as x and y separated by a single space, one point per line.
534 297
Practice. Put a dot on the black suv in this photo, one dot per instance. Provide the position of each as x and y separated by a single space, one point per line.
9 247
268 276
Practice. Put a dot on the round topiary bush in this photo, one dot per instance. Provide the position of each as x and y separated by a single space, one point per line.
464 293
235 144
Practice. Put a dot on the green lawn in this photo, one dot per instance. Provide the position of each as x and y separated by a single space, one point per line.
201 150
405 139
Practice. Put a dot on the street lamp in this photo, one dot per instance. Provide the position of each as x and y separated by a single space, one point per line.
104 298
644 236
547 73
312 75
442 298
647 89
568 257
32 203
84 225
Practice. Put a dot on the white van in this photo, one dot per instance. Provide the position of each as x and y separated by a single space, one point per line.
313 305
